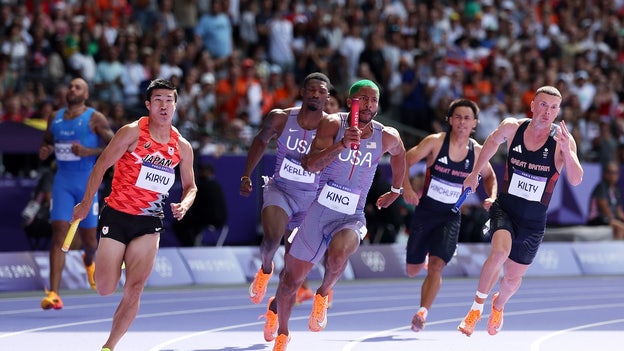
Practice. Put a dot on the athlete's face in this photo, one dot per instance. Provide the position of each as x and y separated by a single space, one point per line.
545 107
77 92
462 120
315 94
161 105
369 103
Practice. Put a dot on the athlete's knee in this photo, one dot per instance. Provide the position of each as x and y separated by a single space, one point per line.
499 255
270 242
435 264
412 270
104 288
510 283
336 259
104 284
342 245
290 281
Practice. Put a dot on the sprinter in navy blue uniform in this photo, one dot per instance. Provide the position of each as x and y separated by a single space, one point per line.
434 230
537 152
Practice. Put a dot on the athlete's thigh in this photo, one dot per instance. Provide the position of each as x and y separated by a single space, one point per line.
62 204
109 258
140 256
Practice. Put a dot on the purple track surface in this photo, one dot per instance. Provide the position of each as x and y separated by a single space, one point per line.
547 314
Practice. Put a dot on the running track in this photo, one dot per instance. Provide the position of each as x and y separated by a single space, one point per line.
547 314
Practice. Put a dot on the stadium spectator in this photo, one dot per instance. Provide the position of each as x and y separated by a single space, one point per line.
605 206
578 49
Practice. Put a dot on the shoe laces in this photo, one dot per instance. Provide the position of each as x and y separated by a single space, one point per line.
473 317
281 341
51 295
262 278
271 319
496 316
260 282
319 307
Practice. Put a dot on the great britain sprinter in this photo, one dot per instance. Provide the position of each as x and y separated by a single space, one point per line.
537 152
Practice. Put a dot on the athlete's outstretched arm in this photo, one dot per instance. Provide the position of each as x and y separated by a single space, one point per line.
414 155
125 138
272 127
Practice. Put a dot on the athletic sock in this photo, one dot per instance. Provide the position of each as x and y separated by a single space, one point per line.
424 310
481 295
477 306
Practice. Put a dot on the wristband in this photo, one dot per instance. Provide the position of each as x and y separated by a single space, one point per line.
245 178
396 191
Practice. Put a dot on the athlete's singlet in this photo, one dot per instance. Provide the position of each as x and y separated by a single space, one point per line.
341 197
345 182
444 178
69 131
143 177
292 145
530 177
72 170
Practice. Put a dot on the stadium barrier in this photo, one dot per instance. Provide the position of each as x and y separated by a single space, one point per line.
29 270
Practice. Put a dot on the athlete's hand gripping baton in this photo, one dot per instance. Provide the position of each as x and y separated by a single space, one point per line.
464 195
355 118
70 235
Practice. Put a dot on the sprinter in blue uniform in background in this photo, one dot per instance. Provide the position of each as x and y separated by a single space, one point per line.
76 135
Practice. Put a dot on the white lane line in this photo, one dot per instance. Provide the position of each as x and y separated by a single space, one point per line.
140 316
354 343
537 344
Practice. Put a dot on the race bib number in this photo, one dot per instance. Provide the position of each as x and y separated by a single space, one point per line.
527 186
444 191
155 178
292 170
63 151
339 198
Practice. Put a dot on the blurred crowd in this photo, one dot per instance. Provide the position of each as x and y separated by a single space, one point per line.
235 60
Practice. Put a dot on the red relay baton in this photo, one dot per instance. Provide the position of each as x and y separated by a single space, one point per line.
355 118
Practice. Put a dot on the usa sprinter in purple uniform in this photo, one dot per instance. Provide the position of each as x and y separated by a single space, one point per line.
537 151
335 221
291 189
434 230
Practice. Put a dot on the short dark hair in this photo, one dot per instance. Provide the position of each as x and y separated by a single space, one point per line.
463 103
161 83
318 76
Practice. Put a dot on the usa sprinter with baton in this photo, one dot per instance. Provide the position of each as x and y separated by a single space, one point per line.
335 221
434 231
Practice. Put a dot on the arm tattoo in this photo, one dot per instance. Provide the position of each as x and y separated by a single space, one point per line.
324 160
